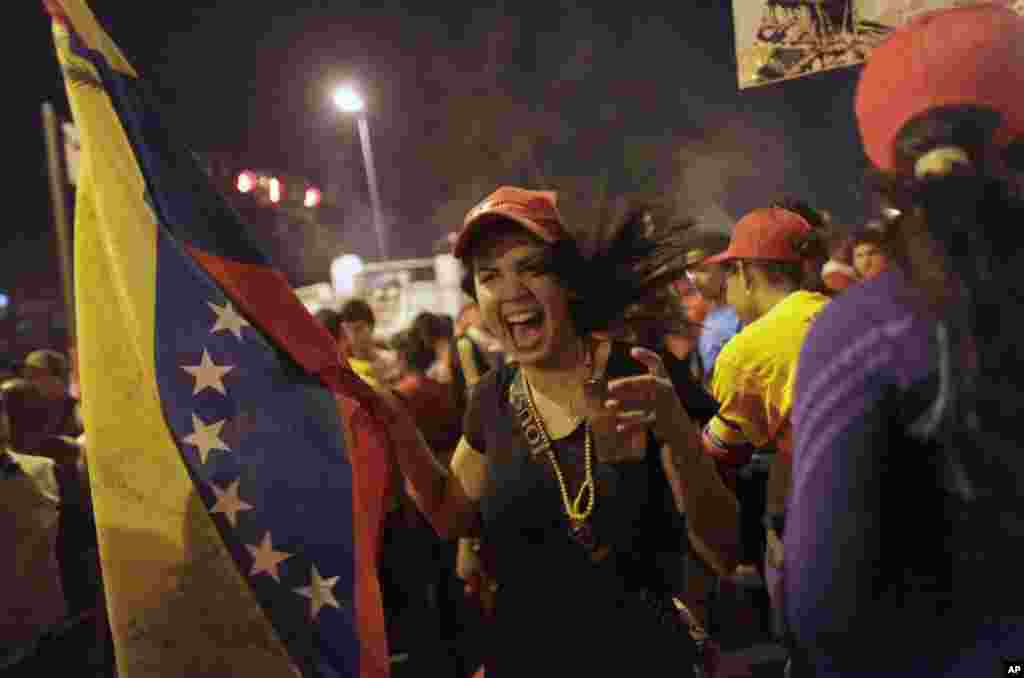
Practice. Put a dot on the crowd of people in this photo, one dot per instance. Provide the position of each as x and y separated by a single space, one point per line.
52 604
601 445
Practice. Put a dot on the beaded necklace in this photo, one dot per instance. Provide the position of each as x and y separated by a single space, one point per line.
572 508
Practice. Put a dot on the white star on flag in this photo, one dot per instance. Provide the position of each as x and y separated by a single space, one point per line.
320 593
229 503
208 375
227 319
265 559
206 437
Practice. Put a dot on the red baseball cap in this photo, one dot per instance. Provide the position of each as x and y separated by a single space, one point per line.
536 211
961 56
766 234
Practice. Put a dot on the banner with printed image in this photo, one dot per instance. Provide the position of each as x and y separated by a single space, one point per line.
784 39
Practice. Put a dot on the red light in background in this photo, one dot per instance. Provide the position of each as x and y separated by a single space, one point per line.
312 198
246 181
275 189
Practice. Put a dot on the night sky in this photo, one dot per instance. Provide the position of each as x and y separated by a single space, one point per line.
624 98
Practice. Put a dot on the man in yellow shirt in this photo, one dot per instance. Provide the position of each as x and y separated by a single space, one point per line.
773 281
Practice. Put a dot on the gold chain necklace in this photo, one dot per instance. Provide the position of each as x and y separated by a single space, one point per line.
572 509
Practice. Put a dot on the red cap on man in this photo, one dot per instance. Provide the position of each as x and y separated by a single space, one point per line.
767 234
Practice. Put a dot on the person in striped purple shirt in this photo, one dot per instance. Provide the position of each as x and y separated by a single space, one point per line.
905 524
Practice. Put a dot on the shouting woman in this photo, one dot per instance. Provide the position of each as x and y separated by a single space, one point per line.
579 457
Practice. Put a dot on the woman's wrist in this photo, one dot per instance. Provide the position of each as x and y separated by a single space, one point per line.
678 430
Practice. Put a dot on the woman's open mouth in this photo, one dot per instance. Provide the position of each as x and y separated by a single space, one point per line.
526 328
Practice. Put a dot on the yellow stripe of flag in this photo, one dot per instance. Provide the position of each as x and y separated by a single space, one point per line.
177 604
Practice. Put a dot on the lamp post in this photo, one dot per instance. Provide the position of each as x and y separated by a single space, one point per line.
347 100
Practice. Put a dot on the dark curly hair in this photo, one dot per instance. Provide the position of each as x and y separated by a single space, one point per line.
433 326
816 218
413 348
331 320
356 310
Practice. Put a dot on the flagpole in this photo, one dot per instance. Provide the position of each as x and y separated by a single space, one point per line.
58 199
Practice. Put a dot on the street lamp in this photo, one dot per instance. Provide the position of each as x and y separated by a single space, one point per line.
347 100
344 270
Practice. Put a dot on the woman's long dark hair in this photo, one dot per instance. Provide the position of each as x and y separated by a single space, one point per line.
960 240
623 287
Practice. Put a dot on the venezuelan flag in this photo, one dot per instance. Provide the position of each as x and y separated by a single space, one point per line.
237 465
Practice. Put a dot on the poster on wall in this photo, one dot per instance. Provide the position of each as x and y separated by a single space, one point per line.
779 40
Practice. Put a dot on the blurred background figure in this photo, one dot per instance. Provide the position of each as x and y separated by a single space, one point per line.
870 255
430 402
838 272
51 596
437 331
33 599
31 428
353 327
720 323
683 345
50 371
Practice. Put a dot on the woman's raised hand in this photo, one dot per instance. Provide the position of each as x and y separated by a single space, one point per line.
645 400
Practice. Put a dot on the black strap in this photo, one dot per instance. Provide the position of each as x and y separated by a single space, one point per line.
9 468
529 428
69 485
